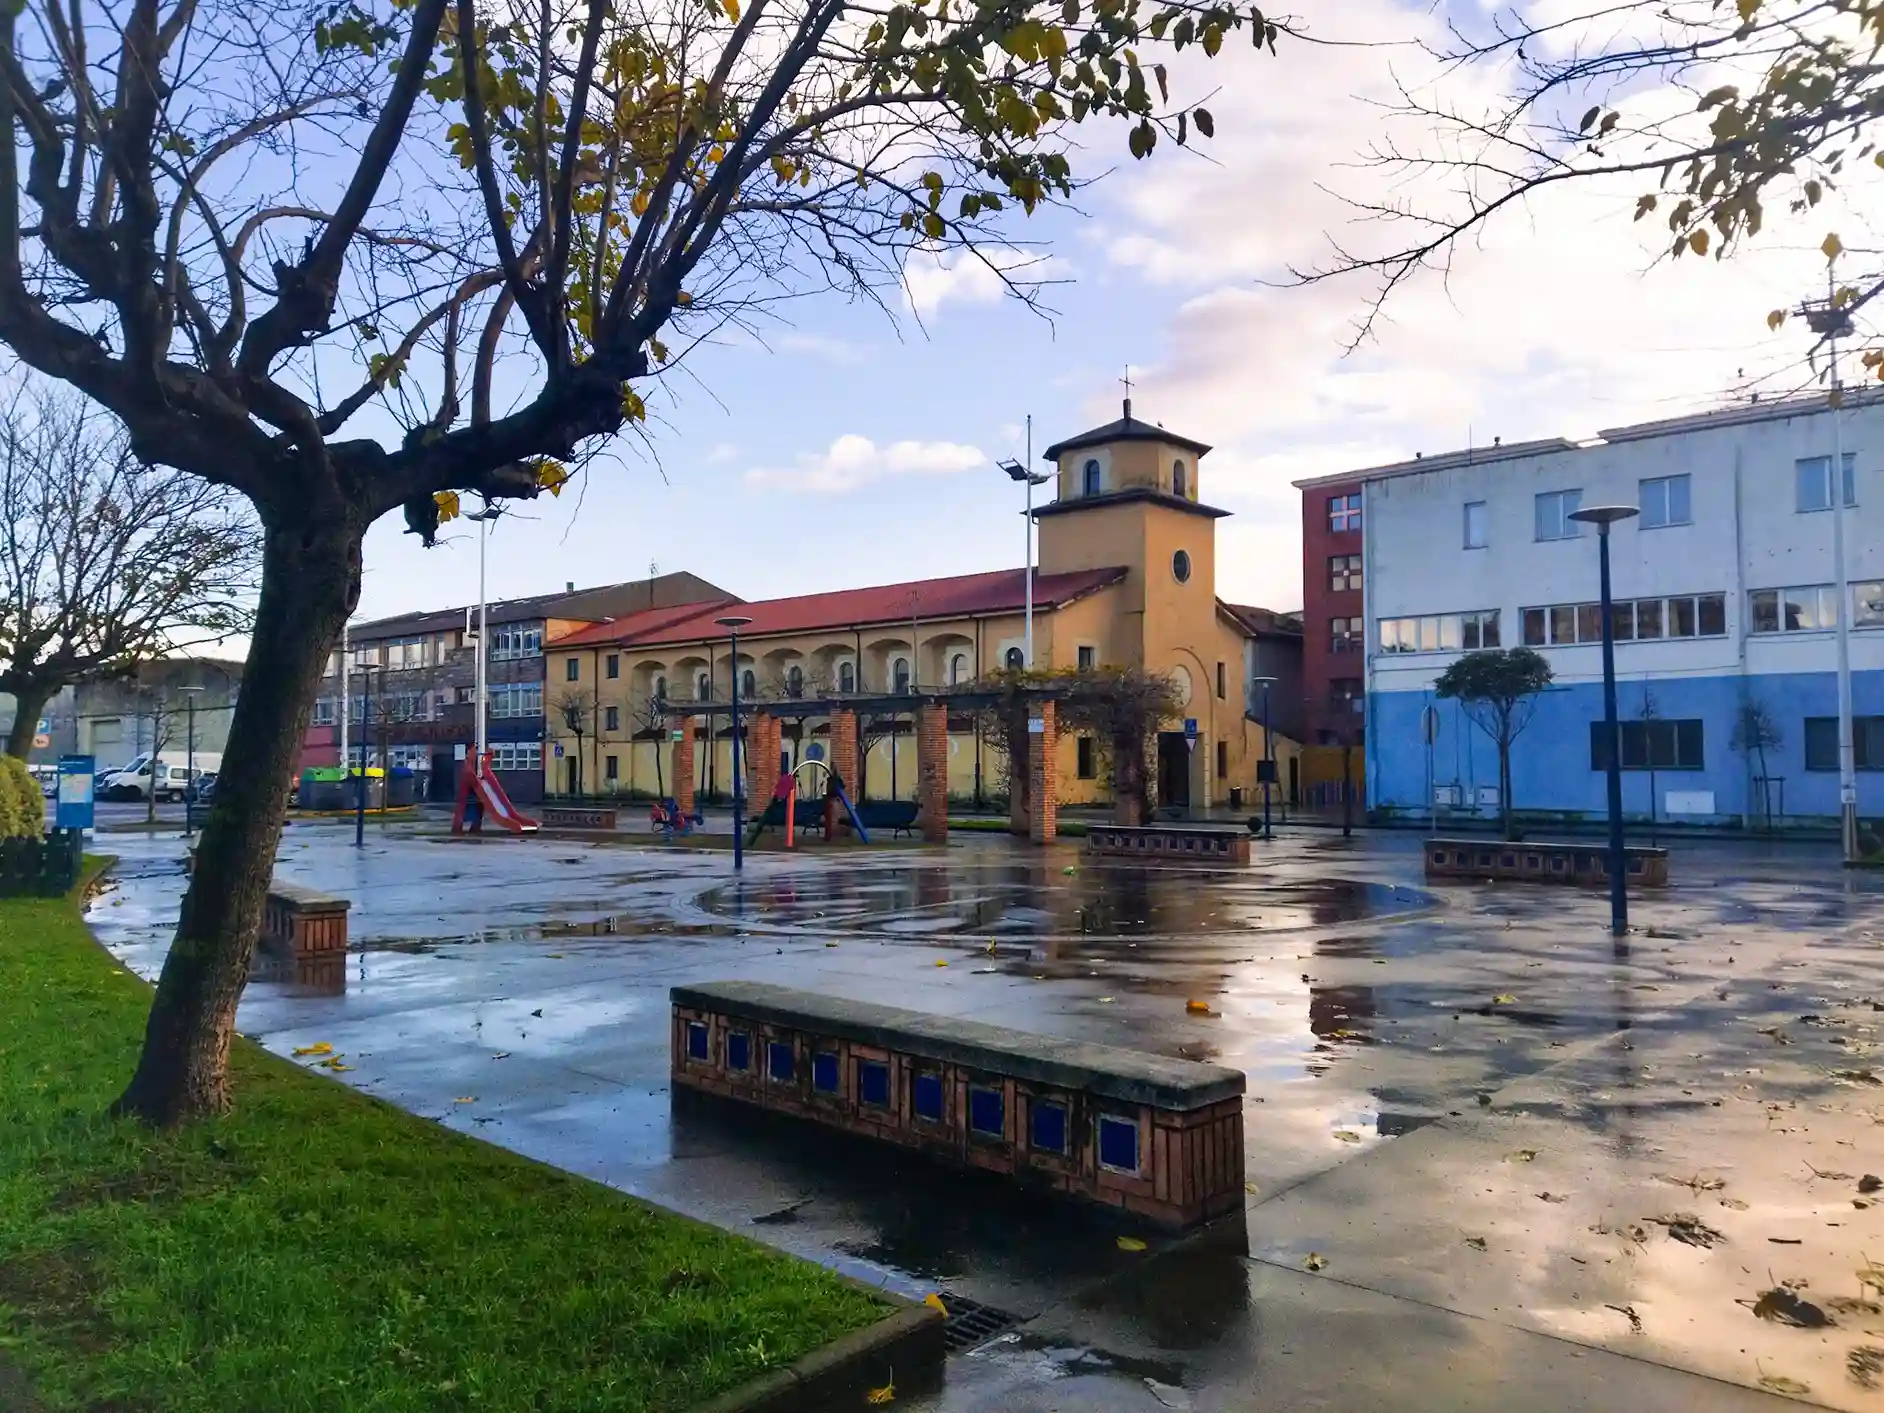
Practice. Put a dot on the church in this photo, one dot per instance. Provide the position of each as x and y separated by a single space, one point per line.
1126 576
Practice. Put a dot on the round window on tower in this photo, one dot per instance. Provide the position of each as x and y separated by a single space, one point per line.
1181 566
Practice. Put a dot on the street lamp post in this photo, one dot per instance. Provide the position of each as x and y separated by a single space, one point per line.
1017 471
1602 517
1269 759
732 623
189 761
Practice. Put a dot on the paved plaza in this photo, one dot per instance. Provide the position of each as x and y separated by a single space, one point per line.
1495 1160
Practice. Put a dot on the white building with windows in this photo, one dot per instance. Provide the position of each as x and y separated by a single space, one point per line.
1725 615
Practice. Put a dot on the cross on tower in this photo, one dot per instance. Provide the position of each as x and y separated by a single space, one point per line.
1127 380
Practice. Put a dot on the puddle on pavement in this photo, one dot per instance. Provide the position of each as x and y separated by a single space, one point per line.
996 898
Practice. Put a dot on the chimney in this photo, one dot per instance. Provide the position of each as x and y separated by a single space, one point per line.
569 586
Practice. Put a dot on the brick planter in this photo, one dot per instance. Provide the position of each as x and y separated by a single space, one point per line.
1152 841
304 923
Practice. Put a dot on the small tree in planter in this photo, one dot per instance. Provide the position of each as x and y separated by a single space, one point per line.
1755 733
1498 688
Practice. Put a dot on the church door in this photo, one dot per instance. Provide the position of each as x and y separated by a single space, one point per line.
1174 771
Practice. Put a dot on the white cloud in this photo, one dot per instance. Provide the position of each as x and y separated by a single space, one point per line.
853 461
722 452
823 346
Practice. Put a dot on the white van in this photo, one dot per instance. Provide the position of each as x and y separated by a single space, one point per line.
167 776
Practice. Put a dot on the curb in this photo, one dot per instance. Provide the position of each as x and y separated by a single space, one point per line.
905 1349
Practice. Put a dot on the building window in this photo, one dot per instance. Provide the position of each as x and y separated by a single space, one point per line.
780 1061
323 711
1475 524
1867 604
1088 657
794 681
1650 745
1344 572
925 1096
1223 760
1554 509
958 669
698 1041
1179 486
1085 758
1813 476
1346 696
511 699
517 755
1344 512
824 1071
1118 1143
572 670
1821 742
1636 620
1345 634
660 689
611 665
611 719
899 674
1015 659
611 767
847 677
873 1084
987 1112
516 642
1665 501
1089 479
1046 1127
1797 610
1223 683
738 1051
703 688
1181 566
1436 633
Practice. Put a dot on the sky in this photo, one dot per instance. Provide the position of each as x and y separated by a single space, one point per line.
849 447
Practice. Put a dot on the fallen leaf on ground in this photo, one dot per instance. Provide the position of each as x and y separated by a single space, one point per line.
1169 1395
1504 999
878 1397
1787 1240
318 1048
501 1055
1870 1182
1347 1135
1314 1261
537 1013
1197 1008
1130 1243
1107 1000
1552 1197
1251 1188
941 963
1635 1320
1689 1229
466 1099
934 1302
1785 1307
1779 1383
1864 1364
1872 1276
1477 1243
1733 1204
1697 1183
1852 1305
1521 1155
334 1064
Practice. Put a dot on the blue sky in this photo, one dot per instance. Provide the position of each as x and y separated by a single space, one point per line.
856 449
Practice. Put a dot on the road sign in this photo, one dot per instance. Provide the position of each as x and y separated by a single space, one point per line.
45 725
559 750
679 735
74 808
1036 726
1190 733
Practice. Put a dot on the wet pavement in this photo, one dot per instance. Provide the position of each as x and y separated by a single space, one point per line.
1495 1160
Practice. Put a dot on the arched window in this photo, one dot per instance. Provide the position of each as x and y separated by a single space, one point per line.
749 684
703 688
1181 566
660 689
1178 485
958 669
1016 659
795 681
847 677
1089 479
900 674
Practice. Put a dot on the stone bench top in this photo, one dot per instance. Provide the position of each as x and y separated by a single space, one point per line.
1592 846
1130 1076
307 899
1202 831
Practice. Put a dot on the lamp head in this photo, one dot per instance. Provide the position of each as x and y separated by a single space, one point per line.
733 621
1603 516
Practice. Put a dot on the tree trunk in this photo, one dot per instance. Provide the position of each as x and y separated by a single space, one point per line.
29 703
1508 819
310 578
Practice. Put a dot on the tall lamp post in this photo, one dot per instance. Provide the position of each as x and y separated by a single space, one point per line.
1602 517
189 761
1017 471
1268 768
732 623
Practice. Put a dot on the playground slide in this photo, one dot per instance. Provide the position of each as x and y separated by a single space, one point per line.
496 805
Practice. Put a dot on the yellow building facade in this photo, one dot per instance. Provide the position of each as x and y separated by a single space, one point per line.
1126 576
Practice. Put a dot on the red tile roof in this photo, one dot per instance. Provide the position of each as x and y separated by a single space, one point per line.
963 596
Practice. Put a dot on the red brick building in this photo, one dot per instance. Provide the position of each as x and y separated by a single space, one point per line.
1334 625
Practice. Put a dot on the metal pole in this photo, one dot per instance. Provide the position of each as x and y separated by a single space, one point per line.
346 650
359 800
1847 756
1029 463
189 769
1618 859
483 672
739 811
1269 763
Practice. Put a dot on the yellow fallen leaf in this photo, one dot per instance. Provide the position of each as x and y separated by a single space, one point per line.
1505 999
1251 1188
878 1397
319 1048
1314 1261
1347 1135
1107 1000
334 1064
941 964
466 1099
1521 1155
934 1302
1197 1008
1130 1243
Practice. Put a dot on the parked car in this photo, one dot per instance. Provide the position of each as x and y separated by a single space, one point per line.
166 777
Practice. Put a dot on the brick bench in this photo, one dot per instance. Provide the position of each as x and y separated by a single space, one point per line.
578 817
1168 841
1583 864
1156 1137
303 922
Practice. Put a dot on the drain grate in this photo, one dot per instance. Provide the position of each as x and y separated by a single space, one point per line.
971 1323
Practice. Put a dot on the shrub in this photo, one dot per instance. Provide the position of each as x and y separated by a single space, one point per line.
22 807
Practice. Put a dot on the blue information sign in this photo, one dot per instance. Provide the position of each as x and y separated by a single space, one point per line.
1190 728
74 808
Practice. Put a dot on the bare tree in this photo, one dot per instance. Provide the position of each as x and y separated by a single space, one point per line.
1723 113
807 686
576 711
647 717
104 562
549 187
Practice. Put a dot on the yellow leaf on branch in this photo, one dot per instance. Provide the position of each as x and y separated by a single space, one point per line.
448 505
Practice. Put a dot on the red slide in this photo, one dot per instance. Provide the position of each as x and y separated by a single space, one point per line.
481 797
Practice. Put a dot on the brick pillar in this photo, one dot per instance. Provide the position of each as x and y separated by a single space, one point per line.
683 763
763 734
1043 815
1017 790
932 771
844 748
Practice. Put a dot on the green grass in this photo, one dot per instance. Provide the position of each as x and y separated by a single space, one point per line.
319 1250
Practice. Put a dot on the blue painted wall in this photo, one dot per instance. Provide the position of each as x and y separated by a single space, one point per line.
1550 762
